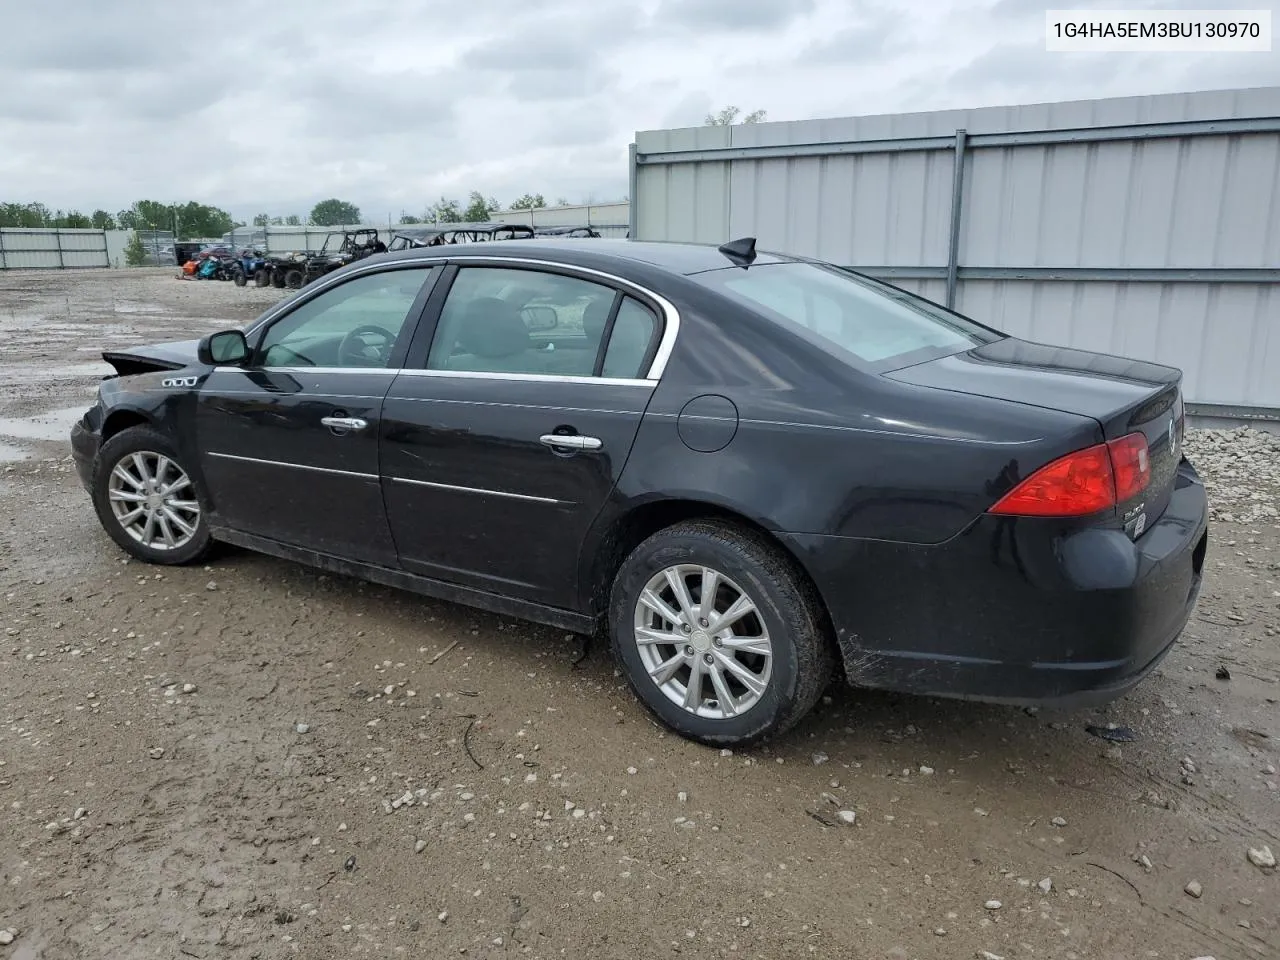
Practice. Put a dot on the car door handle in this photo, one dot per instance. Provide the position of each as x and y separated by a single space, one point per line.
571 441
344 423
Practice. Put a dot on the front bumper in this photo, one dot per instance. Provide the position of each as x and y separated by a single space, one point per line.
85 441
1008 612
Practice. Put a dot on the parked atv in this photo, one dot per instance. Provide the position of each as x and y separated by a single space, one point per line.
283 270
248 266
339 249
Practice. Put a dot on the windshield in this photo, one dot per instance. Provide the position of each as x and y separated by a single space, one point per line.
874 325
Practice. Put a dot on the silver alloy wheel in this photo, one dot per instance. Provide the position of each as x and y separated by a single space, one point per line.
703 642
152 500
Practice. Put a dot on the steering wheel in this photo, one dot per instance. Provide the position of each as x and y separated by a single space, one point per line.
356 350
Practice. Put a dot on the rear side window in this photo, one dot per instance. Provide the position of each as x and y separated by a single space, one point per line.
633 330
874 325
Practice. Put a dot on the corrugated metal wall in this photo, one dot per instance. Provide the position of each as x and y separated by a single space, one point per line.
1147 226
33 249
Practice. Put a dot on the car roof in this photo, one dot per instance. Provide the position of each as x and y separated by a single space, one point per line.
681 258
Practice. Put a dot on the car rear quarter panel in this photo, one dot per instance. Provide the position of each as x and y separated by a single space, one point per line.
822 448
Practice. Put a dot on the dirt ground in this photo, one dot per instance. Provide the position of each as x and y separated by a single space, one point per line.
253 760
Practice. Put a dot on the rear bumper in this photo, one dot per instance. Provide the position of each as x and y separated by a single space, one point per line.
1009 612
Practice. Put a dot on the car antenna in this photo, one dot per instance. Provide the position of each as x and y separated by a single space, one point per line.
742 252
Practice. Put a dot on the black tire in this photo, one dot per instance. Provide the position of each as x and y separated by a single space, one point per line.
261 277
237 274
277 278
788 607
293 279
144 439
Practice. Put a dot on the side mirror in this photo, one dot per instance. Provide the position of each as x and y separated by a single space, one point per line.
227 347
540 317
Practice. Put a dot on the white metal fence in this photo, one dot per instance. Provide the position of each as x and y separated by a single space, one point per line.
607 219
1145 226
33 249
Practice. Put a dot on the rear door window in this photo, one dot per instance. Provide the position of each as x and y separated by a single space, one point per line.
522 321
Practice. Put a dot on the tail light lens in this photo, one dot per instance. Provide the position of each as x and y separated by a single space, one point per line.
1082 483
1131 465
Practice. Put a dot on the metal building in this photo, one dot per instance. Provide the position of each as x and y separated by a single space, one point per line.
1145 226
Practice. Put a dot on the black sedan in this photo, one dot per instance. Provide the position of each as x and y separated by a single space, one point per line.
752 471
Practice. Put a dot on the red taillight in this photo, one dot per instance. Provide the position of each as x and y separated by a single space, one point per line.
1082 483
1131 465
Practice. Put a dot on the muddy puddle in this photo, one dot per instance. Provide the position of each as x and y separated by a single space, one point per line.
53 425
11 454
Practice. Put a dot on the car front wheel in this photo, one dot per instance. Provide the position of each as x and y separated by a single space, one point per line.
719 634
147 500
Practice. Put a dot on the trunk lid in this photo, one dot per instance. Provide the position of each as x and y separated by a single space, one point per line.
153 357
1123 395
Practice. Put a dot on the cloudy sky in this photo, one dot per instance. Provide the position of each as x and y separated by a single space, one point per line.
393 103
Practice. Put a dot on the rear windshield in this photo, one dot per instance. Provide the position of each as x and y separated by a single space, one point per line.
871 324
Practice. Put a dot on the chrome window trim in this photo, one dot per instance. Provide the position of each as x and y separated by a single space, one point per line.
530 377
666 345
528 498
454 374
295 466
384 371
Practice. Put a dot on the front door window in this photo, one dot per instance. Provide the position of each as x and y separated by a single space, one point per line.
355 324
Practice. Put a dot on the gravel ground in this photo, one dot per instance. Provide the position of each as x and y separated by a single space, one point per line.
253 760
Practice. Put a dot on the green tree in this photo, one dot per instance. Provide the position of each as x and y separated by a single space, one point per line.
529 202
333 212
30 215
293 220
562 202
729 116
102 220
74 220
135 254
409 218
479 209
262 220
152 215
443 211
199 220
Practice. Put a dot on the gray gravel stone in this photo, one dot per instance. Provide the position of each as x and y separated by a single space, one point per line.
1193 889
1262 857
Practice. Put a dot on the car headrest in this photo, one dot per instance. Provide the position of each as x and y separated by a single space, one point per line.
493 328
595 317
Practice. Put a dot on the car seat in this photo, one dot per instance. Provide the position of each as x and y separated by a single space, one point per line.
494 339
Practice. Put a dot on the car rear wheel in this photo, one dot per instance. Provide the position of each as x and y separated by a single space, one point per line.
147 500
719 634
